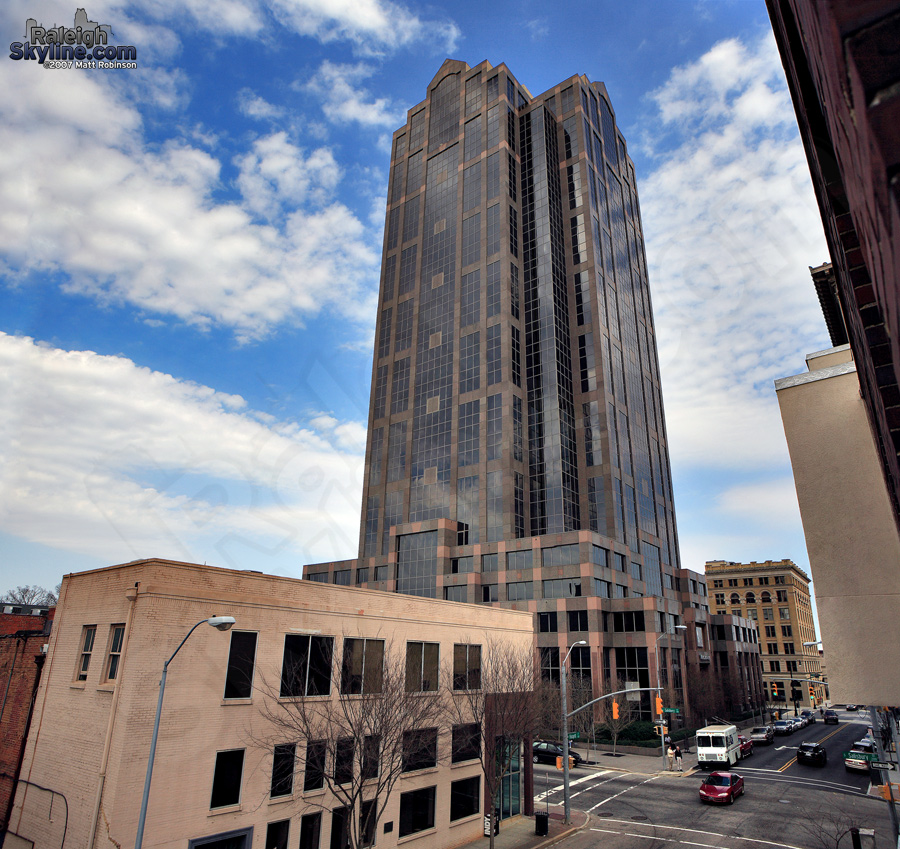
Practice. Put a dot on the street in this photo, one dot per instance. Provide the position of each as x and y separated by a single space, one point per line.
785 804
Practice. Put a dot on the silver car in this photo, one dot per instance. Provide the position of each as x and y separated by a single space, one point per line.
762 734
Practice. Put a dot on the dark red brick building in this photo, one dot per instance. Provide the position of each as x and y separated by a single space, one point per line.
22 638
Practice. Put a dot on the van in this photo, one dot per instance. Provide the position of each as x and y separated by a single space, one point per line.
718 746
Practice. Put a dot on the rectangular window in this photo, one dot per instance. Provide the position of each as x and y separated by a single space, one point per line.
114 653
343 760
87 647
547 623
520 591
489 593
416 811
241 661
781 595
465 796
310 830
367 811
549 656
784 613
787 631
381 573
775 665
465 743
226 789
466 667
282 770
494 359
419 749
789 648
342 577
562 588
578 620
277 834
306 666
362 666
490 562
362 575
314 776
421 667
371 757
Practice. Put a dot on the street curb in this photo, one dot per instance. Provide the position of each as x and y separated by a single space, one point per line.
564 834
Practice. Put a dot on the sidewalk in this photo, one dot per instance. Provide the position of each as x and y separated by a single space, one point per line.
519 832
637 764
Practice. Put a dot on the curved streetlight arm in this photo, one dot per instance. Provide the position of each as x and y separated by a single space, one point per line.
222 623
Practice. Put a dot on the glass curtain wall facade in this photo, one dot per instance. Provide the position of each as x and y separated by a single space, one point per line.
516 404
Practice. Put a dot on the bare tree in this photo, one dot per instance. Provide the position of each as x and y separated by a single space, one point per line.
827 828
580 693
31 595
617 712
493 700
382 718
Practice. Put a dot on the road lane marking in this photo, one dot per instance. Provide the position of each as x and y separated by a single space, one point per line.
560 787
707 833
651 778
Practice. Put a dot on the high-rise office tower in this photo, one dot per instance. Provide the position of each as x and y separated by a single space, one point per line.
517 450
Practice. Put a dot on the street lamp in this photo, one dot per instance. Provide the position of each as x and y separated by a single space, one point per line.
662 736
221 623
565 730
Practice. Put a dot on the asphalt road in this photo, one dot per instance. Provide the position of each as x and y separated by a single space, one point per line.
786 805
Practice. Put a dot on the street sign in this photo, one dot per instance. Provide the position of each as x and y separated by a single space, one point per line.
671 710
574 735
880 765
860 756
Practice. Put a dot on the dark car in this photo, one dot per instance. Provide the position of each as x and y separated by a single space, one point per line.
746 746
831 717
851 707
544 752
722 787
812 753
810 716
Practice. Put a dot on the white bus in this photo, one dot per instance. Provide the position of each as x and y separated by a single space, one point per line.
718 746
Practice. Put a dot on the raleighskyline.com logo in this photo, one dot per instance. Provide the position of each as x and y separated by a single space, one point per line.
84 45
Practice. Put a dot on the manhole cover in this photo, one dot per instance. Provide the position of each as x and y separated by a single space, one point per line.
640 819
603 814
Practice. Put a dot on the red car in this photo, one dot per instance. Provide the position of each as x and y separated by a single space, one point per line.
746 746
721 787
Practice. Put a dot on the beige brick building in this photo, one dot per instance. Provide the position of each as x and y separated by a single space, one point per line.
775 595
214 782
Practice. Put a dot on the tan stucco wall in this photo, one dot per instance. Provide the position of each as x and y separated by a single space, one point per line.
851 537
65 748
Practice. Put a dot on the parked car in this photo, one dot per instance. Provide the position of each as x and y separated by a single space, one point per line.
746 746
809 715
763 734
545 752
722 787
851 707
861 764
799 723
831 717
784 726
812 753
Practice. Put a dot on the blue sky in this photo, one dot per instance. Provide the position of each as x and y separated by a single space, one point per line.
189 257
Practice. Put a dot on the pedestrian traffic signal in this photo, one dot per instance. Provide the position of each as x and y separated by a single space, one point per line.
659 706
615 710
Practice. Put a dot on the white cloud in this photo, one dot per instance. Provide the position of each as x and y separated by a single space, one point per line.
771 503
254 106
105 458
731 228
82 194
344 101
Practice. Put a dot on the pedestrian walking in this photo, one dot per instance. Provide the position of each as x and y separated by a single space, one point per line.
670 755
678 764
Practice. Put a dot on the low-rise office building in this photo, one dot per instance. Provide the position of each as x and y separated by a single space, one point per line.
225 775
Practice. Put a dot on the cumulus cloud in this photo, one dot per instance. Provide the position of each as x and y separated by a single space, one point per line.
84 196
344 101
731 228
106 458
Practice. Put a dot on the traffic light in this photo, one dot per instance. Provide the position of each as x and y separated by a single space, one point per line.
615 709
796 692
659 706
777 693
812 694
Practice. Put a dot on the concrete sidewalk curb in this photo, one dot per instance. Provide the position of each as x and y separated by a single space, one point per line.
569 831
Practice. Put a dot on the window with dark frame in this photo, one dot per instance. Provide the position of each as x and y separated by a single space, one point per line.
277 834
578 620
310 830
465 798
465 743
466 667
114 655
314 775
416 811
282 770
226 789
547 623
362 667
306 666
419 749
241 660
371 757
87 647
421 667
343 760
367 813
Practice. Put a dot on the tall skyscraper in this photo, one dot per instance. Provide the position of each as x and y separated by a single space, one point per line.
517 448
